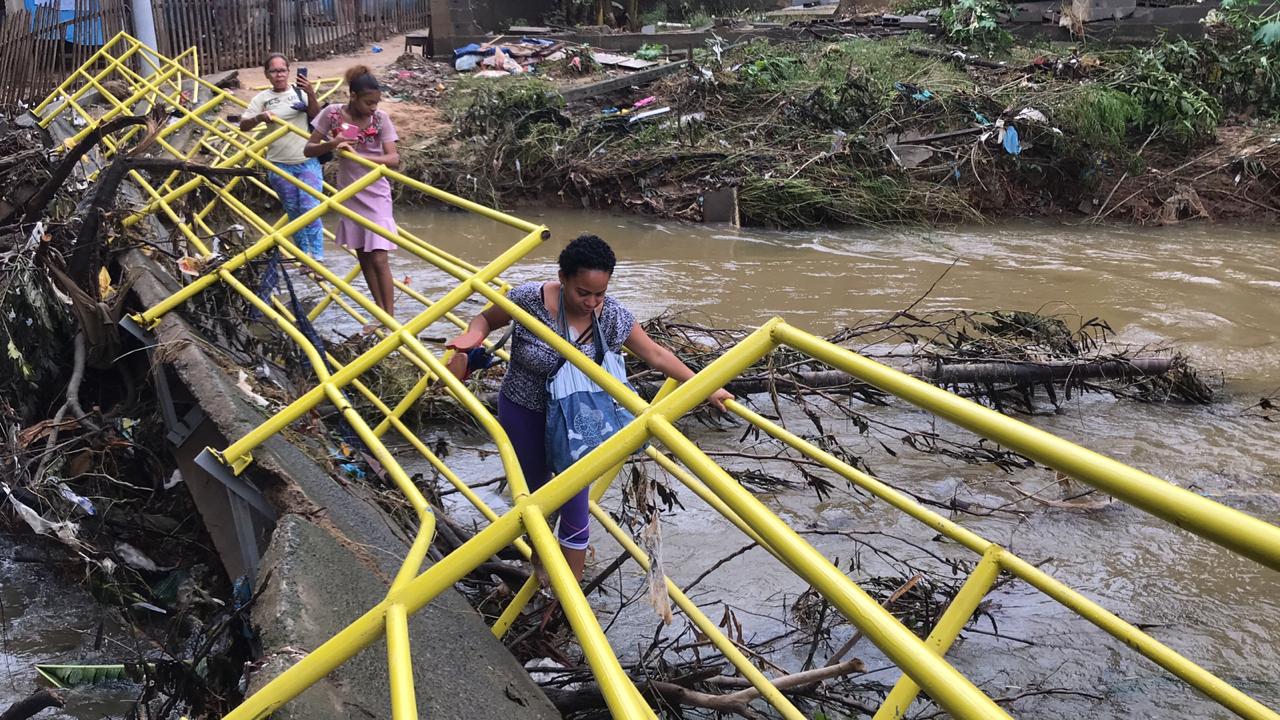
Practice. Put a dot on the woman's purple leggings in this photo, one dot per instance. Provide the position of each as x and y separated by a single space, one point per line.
528 432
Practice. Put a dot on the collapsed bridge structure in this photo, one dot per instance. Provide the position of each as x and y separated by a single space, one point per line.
195 129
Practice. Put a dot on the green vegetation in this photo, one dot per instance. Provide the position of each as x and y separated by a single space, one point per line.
1172 102
1187 88
481 108
1099 116
975 25
912 7
807 131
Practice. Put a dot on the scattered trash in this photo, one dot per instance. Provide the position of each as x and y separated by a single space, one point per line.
418 79
64 531
648 114
148 606
1010 143
135 558
909 156
79 501
837 142
1031 114
193 266
376 49
623 61
502 61
243 384
513 57
353 470
915 93
692 118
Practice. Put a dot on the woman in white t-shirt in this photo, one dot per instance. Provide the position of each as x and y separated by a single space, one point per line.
297 105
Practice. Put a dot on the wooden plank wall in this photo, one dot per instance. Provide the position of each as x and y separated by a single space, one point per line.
39 49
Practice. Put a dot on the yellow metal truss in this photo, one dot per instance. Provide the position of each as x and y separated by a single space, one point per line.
175 85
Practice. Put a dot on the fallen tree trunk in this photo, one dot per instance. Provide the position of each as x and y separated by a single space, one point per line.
957 56
979 373
34 207
1013 373
1022 373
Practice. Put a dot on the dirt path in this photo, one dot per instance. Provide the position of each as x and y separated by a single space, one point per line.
411 119
333 67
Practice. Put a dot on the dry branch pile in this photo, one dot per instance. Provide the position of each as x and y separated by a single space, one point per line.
82 442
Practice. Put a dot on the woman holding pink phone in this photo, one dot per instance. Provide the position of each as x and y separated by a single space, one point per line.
360 127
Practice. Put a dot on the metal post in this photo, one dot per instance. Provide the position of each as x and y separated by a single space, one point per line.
144 30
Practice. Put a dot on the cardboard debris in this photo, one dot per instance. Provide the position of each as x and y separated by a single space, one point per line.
625 61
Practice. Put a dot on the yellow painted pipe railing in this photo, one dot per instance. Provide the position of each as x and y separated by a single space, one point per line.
923 661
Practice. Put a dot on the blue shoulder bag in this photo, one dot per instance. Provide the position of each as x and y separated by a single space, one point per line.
580 415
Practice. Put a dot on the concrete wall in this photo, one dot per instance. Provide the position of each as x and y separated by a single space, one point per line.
330 559
505 12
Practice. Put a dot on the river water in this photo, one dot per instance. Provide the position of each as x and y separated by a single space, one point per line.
45 617
1209 290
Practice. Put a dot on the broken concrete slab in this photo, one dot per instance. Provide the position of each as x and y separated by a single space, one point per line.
1032 12
721 206
298 610
582 92
1091 10
625 61
463 653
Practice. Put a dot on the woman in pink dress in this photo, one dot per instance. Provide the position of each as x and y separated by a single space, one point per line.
360 127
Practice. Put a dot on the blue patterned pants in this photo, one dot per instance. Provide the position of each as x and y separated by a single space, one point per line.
296 202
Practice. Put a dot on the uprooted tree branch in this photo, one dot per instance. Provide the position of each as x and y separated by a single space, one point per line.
79 441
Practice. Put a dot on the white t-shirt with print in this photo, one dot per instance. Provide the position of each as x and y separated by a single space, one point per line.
288 149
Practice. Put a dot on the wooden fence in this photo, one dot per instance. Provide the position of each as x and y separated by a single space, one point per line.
239 33
39 48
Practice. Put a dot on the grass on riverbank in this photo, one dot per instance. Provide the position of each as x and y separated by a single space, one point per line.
870 131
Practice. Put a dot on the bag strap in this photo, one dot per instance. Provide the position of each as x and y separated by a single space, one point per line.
566 332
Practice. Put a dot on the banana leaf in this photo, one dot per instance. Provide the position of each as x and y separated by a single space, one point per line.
63 676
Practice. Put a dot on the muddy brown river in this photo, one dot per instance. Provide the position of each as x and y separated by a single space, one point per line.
1209 290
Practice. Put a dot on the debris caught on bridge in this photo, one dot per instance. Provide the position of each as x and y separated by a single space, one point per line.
79 429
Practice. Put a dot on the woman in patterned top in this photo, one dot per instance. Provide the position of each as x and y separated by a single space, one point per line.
359 126
586 265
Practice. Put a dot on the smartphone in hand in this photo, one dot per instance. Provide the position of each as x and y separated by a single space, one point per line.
302 72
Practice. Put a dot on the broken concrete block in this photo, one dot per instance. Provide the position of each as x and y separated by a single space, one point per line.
1091 10
721 206
1032 12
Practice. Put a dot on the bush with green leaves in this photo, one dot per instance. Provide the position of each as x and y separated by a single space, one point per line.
1173 103
975 24
485 107
1186 88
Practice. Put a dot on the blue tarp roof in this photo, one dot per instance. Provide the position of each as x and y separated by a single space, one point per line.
90 33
